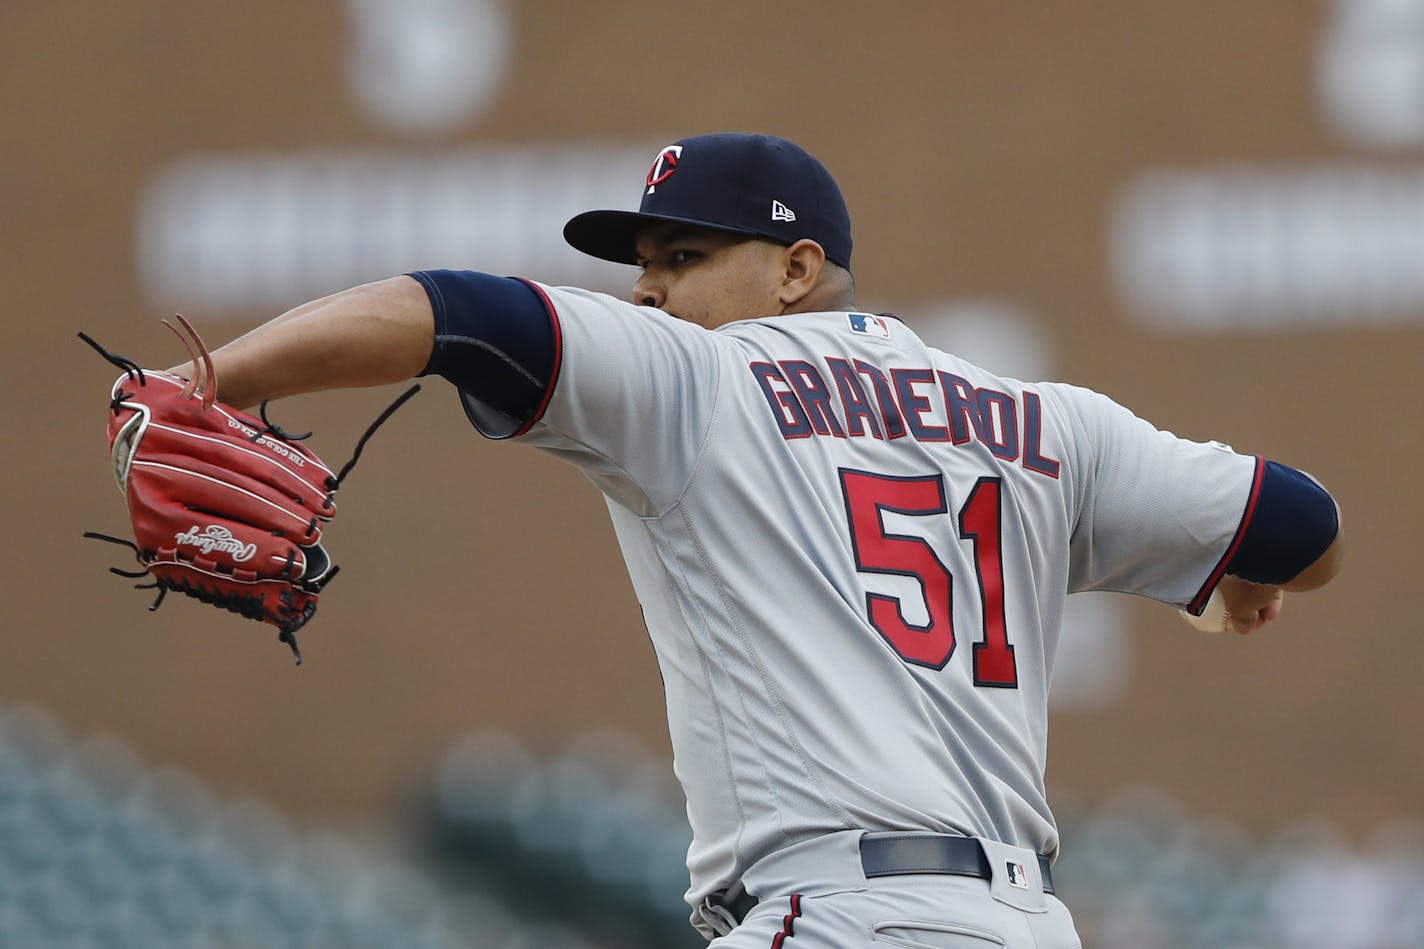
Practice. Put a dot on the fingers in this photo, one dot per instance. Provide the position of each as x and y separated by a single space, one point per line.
1245 621
1249 606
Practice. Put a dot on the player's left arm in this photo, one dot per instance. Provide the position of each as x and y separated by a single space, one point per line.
374 334
491 336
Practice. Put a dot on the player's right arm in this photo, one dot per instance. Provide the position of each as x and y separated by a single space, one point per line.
1175 520
1251 605
1290 540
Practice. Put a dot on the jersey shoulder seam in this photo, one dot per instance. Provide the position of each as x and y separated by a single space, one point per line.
716 409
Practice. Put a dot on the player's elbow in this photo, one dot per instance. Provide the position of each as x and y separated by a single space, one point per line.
1293 539
1323 569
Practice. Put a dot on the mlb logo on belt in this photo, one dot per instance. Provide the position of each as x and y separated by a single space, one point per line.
1018 876
868 324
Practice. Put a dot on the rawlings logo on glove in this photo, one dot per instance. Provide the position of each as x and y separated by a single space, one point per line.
213 538
226 508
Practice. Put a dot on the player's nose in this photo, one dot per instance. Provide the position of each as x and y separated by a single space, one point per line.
649 292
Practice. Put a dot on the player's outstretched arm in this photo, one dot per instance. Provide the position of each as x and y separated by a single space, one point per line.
227 508
369 335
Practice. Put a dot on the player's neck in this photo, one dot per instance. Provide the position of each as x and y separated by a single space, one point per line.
824 299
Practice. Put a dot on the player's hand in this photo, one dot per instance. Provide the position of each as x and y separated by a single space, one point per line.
1249 606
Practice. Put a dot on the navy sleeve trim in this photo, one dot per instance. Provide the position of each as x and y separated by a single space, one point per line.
497 339
558 361
1199 601
1296 521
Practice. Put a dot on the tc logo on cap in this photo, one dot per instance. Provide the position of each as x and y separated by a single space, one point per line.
663 166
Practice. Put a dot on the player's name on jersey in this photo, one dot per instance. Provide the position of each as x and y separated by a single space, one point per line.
852 398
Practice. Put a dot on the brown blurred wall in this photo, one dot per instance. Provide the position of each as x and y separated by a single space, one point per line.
981 146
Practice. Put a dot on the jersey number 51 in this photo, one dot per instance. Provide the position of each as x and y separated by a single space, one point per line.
867 497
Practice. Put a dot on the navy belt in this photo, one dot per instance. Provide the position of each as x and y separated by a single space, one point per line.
899 855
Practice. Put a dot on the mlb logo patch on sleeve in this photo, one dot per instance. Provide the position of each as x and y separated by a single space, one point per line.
868 324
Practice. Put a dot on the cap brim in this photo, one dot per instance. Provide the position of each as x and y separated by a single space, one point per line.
613 235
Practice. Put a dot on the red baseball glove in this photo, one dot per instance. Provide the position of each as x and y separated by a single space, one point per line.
225 507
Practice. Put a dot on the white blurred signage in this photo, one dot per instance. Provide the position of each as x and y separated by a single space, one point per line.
1259 248
235 232
1370 75
1247 248
423 66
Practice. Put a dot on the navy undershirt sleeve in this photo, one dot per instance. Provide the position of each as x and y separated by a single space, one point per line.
1295 520
495 340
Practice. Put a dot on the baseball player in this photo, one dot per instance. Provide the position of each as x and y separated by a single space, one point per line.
852 550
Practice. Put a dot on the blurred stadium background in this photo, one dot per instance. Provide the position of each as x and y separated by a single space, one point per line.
1213 212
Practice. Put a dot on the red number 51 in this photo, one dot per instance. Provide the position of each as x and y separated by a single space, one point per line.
866 497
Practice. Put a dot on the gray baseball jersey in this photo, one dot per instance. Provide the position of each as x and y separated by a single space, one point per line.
852 552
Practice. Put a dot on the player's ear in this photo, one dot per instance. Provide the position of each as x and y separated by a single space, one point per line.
803 264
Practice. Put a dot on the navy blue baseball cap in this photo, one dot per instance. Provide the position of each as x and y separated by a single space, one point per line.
758 185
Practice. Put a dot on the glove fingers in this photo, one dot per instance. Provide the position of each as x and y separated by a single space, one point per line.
280 465
154 486
163 394
301 502
284 464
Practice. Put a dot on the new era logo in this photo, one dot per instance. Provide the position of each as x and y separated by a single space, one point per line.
1018 876
780 212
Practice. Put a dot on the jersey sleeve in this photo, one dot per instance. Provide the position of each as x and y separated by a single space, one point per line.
634 397
496 341
1157 515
